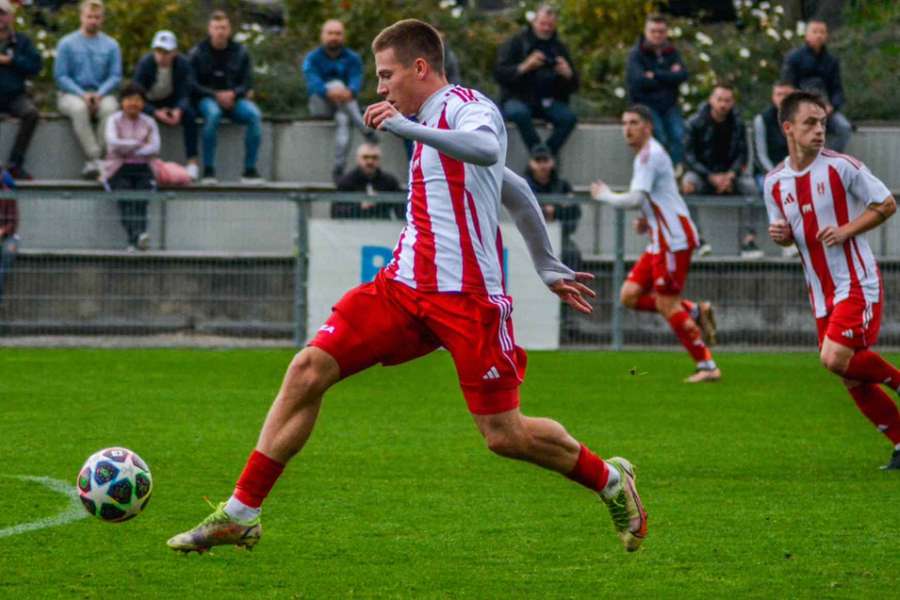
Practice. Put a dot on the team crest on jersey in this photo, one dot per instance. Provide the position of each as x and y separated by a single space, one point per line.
789 199
820 187
806 209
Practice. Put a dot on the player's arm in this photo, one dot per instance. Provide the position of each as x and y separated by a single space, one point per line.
522 205
779 229
477 146
632 199
874 215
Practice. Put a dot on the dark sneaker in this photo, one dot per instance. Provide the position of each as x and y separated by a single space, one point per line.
894 463
251 176
209 176
18 172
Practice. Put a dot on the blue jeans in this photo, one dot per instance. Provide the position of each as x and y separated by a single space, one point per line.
558 113
839 131
244 112
9 247
668 129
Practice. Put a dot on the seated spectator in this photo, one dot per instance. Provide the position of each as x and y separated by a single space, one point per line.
167 77
222 82
536 78
715 155
812 68
87 71
369 178
654 72
769 144
19 61
9 223
132 141
333 75
543 178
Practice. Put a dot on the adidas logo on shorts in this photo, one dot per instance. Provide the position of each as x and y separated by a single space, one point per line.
492 373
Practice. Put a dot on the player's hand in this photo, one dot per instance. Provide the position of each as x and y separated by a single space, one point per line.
780 232
563 68
574 291
832 236
376 114
598 188
640 225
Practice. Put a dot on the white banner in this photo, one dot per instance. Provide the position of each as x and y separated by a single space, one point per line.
343 254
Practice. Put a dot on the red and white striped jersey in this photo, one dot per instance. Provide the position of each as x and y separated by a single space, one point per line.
451 242
671 228
833 190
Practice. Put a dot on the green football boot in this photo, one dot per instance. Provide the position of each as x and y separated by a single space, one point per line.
218 529
625 507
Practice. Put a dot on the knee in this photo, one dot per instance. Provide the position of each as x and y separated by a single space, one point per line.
566 119
308 375
628 298
833 362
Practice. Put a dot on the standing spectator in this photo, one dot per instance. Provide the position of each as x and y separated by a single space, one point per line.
369 178
536 78
654 72
812 68
543 178
9 223
19 60
769 144
168 79
132 141
88 70
716 156
222 82
333 75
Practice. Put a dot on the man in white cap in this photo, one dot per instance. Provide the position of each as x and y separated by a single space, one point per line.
19 60
167 75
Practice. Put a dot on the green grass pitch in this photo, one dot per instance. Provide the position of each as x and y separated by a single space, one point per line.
765 485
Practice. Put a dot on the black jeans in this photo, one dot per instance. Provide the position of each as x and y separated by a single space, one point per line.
22 108
133 212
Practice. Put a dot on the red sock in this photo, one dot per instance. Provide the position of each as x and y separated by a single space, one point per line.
869 367
689 335
257 480
646 303
590 470
879 409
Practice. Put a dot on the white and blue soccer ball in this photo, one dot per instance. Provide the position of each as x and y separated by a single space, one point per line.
114 485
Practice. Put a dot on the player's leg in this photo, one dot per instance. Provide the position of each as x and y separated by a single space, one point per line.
637 289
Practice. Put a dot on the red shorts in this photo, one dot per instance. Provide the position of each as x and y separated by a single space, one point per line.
853 323
390 323
665 272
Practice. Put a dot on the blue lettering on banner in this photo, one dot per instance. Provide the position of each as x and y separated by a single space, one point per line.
374 258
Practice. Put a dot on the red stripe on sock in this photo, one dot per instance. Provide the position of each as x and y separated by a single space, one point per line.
879 408
689 335
870 367
257 479
590 470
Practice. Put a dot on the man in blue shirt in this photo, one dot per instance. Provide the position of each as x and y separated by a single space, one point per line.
19 61
87 71
333 79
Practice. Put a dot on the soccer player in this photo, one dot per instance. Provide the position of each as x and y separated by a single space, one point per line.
656 280
823 201
444 287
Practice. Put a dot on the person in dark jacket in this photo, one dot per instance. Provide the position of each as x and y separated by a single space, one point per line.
769 144
334 75
811 67
654 72
368 177
536 78
543 178
222 82
167 77
19 60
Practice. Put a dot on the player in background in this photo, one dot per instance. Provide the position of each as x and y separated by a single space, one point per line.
656 280
444 287
823 202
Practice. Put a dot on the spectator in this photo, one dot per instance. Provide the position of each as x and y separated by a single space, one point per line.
19 60
167 77
9 223
769 144
654 72
451 63
811 67
88 70
369 178
716 157
132 141
333 79
536 78
543 178
222 83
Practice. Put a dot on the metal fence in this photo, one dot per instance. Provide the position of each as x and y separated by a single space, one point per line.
233 264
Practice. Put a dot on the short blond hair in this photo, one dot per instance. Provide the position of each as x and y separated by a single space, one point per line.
90 5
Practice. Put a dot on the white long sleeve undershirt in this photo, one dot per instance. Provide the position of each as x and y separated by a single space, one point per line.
631 199
479 147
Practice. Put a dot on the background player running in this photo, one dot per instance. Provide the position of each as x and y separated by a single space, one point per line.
657 279
444 287
823 201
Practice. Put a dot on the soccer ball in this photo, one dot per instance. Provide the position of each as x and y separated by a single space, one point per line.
114 485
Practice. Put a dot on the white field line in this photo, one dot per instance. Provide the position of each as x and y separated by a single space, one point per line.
72 512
